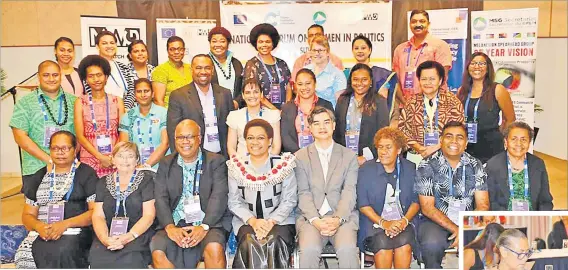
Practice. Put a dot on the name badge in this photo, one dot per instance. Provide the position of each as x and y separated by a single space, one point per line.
118 226
472 132
352 141
409 80
391 211
55 212
192 210
520 205
145 153
431 138
47 135
274 93
305 140
211 130
454 208
104 144
565 243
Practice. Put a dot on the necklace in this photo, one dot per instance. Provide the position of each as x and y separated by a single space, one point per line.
221 68
66 110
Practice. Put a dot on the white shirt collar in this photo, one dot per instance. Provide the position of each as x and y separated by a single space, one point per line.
324 151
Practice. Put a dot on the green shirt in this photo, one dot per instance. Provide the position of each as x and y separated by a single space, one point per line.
519 190
28 116
168 74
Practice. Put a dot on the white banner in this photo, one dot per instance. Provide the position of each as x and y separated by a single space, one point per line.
125 31
342 22
193 32
509 38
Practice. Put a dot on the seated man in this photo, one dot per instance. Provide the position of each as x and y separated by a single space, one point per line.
448 181
191 194
327 179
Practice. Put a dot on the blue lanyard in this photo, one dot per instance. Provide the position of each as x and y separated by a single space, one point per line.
474 109
270 78
511 178
435 125
451 176
397 191
302 123
214 105
196 178
93 112
117 206
121 77
417 57
43 109
259 114
139 134
348 116
71 175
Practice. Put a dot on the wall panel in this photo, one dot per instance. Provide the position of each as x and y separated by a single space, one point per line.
559 21
544 8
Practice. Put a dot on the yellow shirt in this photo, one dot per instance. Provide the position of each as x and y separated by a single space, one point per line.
168 74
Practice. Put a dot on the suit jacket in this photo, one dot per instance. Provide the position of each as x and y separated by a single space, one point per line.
558 235
339 186
498 183
213 190
288 131
238 88
370 124
185 104
371 191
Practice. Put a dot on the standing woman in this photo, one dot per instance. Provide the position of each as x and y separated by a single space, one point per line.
65 57
237 120
270 72
172 74
124 213
138 57
483 99
97 116
145 125
360 113
294 128
228 69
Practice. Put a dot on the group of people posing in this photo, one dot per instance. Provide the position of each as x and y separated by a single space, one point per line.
130 165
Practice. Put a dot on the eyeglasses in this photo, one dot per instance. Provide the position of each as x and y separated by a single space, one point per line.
172 49
479 64
318 51
252 138
521 255
65 149
182 138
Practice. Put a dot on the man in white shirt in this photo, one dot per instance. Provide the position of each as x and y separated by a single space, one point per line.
327 177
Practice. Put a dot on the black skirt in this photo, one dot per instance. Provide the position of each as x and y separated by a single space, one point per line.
379 240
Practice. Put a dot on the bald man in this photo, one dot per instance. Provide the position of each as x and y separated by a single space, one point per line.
39 114
191 192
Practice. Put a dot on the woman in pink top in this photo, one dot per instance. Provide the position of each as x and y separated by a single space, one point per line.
65 56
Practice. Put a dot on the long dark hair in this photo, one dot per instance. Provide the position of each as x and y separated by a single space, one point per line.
488 94
487 240
368 103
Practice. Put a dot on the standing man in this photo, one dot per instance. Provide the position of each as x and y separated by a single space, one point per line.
206 104
191 194
327 177
172 74
447 182
39 114
420 48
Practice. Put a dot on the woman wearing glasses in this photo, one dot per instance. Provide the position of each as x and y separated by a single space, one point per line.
124 211
330 80
58 239
172 74
513 251
483 100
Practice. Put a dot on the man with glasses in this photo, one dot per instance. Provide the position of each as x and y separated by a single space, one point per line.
191 194
327 177
205 103
447 182
172 74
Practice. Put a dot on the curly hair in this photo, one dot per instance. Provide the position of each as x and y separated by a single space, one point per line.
393 134
93 60
264 29
521 125
220 31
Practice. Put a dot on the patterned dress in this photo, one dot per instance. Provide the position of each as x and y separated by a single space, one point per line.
519 190
255 70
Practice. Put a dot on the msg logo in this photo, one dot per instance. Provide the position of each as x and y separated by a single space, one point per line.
123 36
496 20
371 17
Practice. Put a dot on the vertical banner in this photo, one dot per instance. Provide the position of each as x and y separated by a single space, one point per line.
193 32
450 25
342 22
509 38
125 31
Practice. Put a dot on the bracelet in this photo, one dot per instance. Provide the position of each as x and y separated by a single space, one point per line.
381 223
407 222
134 234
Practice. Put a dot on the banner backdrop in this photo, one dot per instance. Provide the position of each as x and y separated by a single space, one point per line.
125 31
509 38
450 25
342 22
193 32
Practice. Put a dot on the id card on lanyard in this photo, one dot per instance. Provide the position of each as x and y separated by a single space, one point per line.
119 225
303 139
431 135
49 130
56 211
456 205
192 204
104 142
352 132
145 150
518 204
393 210
211 128
274 93
410 71
471 126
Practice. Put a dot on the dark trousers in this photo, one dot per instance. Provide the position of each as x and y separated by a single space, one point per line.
433 240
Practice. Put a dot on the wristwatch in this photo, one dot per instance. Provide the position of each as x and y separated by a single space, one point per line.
204 226
341 220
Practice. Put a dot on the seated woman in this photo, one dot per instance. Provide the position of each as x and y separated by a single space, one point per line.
255 109
479 253
387 202
59 204
559 233
124 212
516 179
513 251
262 197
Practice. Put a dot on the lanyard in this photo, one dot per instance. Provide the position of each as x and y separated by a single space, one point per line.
71 175
93 112
121 77
435 115
511 178
397 191
474 109
451 176
348 116
45 113
136 73
417 57
270 78
259 114
213 97
139 134
117 206
302 122
196 178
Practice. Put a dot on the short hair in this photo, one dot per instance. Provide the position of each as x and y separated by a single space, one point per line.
102 34
315 25
506 238
264 29
363 38
93 60
69 135
521 125
252 81
451 124
219 30
131 46
393 134
259 123
322 41
201 55
63 39
173 39
306 71
143 80
419 11
126 146
319 109
432 65
47 63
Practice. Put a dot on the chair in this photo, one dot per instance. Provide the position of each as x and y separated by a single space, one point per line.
327 252
550 240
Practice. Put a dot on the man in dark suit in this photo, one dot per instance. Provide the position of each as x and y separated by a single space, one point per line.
191 194
205 103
